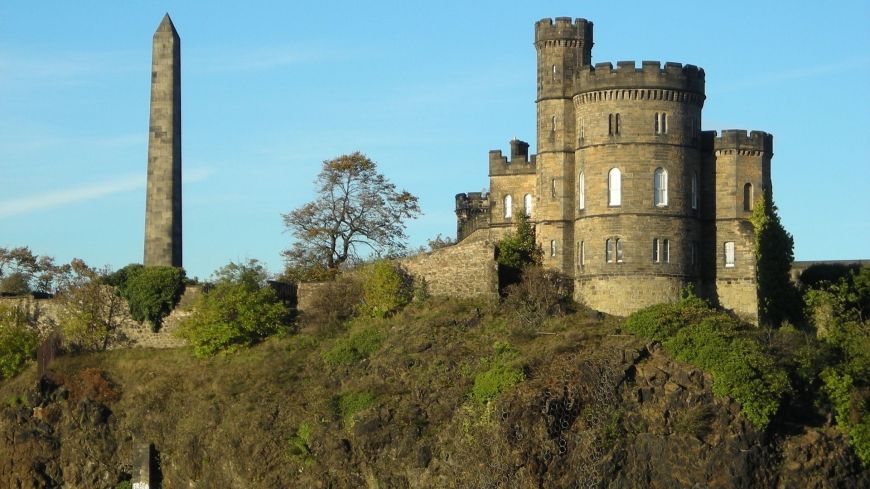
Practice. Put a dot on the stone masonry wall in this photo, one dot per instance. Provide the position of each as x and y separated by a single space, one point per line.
131 334
467 269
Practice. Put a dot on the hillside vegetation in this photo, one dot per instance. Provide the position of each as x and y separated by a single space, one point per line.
447 393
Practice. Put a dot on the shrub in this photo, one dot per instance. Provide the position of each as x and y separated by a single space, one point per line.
92 310
500 373
18 338
694 333
386 288
348 404
231 316
538 295
850 410
151 292
518 248
348 351
778 298
93 384
333 304
299 448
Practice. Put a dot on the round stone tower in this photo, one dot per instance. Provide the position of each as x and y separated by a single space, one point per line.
564 48
637 183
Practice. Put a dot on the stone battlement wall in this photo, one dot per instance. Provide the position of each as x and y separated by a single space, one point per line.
651 74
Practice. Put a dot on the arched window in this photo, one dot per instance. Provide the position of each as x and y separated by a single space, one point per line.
608 250
747 197
694 196
508 207
660 187
527 205
729 254
553 126
614 187
618 250
552 247
581 190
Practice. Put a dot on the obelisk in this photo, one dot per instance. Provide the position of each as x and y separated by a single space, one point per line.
163 195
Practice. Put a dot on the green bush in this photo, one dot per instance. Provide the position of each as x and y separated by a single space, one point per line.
18 338
299 448
348 351
518 248
348 404
231 316
151 292
500 373
850 410
386 288
694 333
333 304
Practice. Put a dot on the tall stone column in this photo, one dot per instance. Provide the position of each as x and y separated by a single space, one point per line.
163 199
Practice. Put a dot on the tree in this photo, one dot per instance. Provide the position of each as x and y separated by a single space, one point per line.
237 312
22 272
92 312
778 298
356 208
151 292
518 248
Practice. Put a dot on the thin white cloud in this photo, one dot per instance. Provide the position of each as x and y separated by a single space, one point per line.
788 75
47 200
57 198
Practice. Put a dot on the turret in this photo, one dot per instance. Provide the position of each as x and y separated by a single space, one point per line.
563 47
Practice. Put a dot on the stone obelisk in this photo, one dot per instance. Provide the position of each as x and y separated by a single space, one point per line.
163 199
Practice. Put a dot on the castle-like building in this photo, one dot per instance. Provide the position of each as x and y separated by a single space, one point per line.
627 194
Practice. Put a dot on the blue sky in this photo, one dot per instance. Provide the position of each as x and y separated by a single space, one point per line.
270 89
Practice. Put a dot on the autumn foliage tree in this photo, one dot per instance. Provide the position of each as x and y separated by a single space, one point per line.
357 209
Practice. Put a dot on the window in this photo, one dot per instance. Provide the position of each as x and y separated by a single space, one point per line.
614 187
660 187
618 250
554 72
582 129
661 252
552 247
581 253
508 204
694 196
553 187
729 254
553 125
613 124
747 197
581 190
661 123
608 250
527 205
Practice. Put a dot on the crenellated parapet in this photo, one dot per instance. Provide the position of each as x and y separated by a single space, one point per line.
563 31
520 162
741 142
472 213
652 81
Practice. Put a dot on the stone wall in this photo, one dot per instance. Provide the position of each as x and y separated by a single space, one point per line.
130 334
602 293
467 269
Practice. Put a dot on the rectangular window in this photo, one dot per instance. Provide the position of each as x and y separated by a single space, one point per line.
582 129
666 251
608 251
581 194
656 123
729 254
664 124
618 250
582 254
655 253
610 124
553 187
553 247
617 124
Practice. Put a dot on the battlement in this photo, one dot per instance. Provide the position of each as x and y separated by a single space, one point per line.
741 140
563 28
472 200
651 74
520 161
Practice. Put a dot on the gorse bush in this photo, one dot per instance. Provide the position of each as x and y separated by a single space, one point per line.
18 338
538 295
386 288
694 333
499 373
353 349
